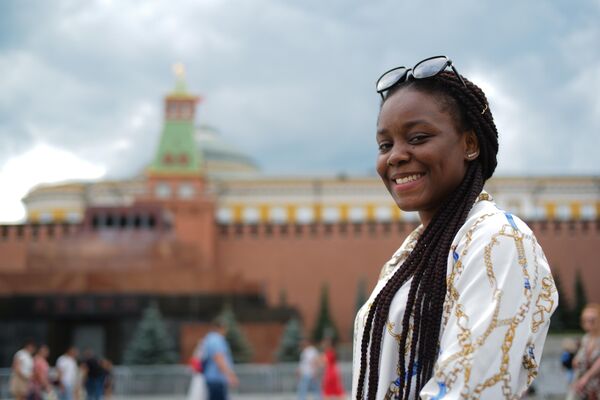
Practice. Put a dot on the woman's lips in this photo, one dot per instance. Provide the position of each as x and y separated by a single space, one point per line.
407 182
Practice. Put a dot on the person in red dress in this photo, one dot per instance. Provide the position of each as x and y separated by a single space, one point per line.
332 381
41 387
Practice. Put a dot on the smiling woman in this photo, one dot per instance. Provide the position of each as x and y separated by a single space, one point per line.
412 126
462 309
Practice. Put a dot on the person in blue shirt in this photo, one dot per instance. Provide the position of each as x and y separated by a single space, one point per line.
217 362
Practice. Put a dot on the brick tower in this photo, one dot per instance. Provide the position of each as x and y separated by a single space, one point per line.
175 177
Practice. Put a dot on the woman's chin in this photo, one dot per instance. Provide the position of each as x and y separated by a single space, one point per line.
407 205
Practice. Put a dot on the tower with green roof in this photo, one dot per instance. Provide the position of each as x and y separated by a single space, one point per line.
175 179
177 154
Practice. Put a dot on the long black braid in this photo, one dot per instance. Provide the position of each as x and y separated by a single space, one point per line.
426 265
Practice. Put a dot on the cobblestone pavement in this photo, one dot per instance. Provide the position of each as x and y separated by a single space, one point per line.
281 396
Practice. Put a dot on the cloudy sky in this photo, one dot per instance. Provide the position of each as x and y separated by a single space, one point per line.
289 82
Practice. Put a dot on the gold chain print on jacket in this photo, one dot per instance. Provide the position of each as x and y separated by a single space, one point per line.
500 295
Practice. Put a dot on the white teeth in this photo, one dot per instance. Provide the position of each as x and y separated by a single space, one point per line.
407 179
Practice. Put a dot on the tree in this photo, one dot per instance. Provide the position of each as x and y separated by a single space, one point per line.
324 326
361 299
361 294
282 298
151 343
579 302
289 347
561 319
240 348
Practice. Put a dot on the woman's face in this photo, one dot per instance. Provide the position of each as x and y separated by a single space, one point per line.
422 154
44 351
589 321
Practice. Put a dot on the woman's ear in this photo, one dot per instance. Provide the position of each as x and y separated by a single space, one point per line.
471 145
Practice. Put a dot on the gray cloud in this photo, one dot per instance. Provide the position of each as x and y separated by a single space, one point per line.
292 82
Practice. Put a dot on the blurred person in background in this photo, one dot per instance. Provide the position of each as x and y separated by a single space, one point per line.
569 349
587 360
197 389
41 387
308 371
333 388
94 375
108 383
68 374
217 362
22 371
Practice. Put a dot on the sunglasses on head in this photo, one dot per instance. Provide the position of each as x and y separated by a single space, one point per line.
427 68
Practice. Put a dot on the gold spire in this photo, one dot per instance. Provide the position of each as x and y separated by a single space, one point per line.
179 71
180 85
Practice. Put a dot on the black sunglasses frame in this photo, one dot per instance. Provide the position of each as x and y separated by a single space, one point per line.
409 74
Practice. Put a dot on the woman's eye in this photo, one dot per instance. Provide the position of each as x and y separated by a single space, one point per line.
416 139
384 146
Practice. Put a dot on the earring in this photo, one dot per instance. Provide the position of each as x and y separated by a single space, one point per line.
472 155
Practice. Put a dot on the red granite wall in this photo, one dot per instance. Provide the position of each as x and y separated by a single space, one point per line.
299 260
295 259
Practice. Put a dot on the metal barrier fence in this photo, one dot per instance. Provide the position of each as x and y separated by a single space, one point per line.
260 378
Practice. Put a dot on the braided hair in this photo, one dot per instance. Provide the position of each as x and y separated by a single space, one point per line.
426 265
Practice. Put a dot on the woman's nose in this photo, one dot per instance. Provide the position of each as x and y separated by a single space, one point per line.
398 154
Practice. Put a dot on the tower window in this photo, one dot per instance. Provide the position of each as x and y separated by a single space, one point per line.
186 191
185 111
171 110
168 159
163 191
